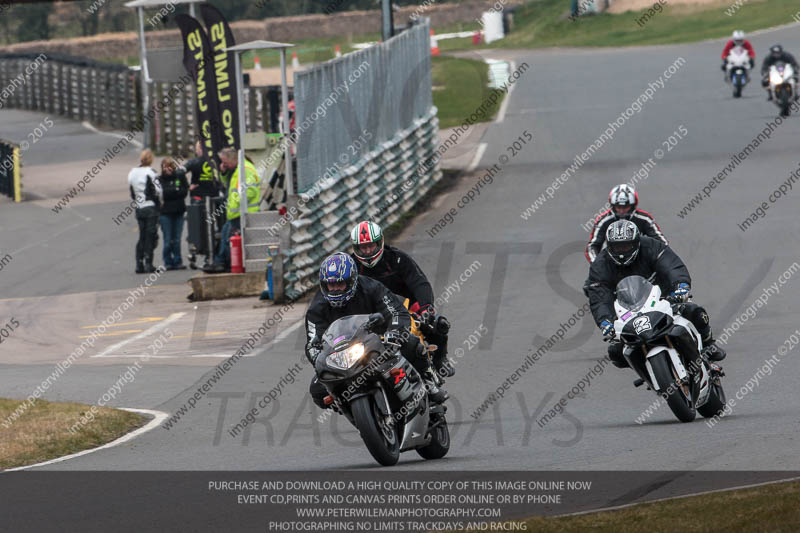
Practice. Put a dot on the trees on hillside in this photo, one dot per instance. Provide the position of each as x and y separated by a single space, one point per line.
26 22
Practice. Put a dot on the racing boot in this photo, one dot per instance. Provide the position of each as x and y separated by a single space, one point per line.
769 95
712 351
435 393
444 367
615 354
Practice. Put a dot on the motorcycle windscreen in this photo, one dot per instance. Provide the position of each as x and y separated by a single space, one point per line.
633 292
342 330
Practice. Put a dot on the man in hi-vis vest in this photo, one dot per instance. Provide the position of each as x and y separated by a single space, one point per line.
228 158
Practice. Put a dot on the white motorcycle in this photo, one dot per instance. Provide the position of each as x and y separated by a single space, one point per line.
665 348
738 63
782 85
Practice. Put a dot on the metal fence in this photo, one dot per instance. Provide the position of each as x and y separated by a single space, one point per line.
389 105
10 175
349 106
109 95
74 87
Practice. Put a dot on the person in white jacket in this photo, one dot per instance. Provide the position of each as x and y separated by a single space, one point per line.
146 192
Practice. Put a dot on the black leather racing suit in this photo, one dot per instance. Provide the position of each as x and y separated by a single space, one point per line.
370 297
657 263
643 220
401 275
785 57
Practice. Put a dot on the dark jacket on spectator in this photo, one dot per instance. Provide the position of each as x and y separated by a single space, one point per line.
175 189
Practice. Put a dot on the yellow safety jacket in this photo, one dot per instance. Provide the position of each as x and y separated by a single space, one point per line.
253 188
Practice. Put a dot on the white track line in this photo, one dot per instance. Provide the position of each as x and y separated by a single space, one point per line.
501 115
158 417
161 325
626 505
478 155
89 127
282 335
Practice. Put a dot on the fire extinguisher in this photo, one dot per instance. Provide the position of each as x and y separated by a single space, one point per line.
236 255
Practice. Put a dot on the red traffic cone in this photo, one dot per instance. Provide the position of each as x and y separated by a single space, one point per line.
434 45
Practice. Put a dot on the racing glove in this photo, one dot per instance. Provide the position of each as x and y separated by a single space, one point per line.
722 67
608 330
752 63
313 349
680 294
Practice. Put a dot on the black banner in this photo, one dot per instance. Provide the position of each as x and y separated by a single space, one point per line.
198 60
221 37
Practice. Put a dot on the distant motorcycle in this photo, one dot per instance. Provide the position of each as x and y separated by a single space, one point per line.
782 85
380 392
665 348
738 63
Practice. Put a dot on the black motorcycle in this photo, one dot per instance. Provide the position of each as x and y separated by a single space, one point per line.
665 348
379 391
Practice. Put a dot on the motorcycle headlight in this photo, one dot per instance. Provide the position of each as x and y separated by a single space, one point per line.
775 78
344 359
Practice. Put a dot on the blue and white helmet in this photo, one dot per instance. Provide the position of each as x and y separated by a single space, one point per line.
337 268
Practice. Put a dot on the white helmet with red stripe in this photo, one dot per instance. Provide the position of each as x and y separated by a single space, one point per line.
623 200
367 240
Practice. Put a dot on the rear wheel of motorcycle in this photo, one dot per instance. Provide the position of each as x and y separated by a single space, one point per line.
716 402
440 442
675 394
379 437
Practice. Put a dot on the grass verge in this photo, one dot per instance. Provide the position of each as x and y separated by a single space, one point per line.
460 87
768 508
42 432
544 23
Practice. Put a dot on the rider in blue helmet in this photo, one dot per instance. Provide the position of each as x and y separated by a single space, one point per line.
338 279
344 293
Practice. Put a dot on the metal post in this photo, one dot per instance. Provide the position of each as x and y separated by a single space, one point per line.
210 225
145 78
242 174
191 10
286 128
388 20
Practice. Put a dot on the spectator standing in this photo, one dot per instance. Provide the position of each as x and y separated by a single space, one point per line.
203 183
146 192
228 158
175 188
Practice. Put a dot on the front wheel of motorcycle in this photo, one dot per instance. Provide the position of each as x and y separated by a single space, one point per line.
676 394
737 91
440 441
716 401
380 437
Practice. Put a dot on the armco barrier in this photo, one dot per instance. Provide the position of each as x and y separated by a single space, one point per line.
323 225
382 96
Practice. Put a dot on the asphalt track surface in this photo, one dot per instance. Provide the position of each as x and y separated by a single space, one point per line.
565 100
